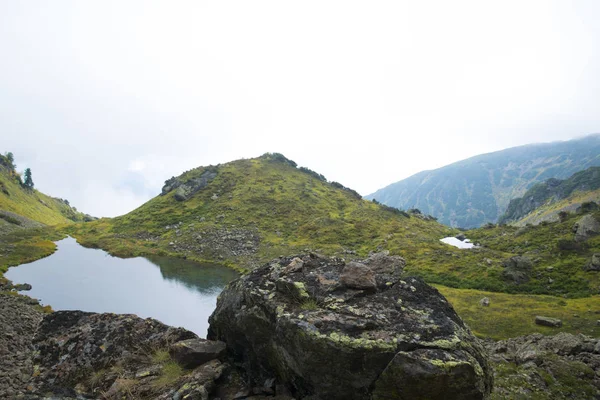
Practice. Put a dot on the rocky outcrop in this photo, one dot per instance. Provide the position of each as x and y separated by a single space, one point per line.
586 227
594 263
517 269
185 189
549 192
18 322
318 335
191 353
81 354
563 366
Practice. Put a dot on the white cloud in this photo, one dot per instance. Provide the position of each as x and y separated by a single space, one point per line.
119 96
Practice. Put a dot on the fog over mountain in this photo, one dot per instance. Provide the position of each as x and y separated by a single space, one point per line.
104 101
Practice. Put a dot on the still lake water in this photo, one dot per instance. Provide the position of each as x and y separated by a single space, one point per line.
174 291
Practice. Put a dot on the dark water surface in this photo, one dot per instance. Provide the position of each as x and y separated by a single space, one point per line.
174 291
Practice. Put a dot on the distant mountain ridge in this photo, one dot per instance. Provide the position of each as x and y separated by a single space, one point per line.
543 201
477 190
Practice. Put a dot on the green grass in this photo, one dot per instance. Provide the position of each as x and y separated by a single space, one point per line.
160 356
550 211
170 373
33 204
290 210
26 246
294 212
510 315
309 305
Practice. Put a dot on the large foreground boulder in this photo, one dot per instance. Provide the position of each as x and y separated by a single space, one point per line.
372 335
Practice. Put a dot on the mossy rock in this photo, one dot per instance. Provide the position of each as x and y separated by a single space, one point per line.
400 341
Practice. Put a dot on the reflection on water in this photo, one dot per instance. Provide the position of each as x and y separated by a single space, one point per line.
174 291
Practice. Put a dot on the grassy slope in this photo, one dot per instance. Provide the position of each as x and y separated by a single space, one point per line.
23 214
549 212
511 315
544 196
33 204
555 271
290 210
293 211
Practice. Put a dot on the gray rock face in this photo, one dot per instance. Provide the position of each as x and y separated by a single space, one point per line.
187 189
586 227
184 190
594 263
517 269
327 340
191 353
576 357
547 321
73 344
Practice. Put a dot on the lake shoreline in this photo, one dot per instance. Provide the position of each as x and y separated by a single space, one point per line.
175 291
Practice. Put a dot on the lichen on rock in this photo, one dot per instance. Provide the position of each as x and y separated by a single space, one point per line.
395 338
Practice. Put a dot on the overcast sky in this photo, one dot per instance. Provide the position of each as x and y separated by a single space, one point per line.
104 100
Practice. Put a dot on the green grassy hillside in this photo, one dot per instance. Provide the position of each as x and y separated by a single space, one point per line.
550 211
247 212
545 200
475 191
256 209
250 211
30 205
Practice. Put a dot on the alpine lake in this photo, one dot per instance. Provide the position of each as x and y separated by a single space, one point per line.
174 291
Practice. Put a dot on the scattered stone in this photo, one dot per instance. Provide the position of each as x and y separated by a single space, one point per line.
485 302
194 352
294 266
547 321
461 237
517 269
386 268
555 357
594 263
20 287
586 227
358 276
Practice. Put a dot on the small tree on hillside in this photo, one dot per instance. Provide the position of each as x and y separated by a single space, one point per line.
11 160
28 181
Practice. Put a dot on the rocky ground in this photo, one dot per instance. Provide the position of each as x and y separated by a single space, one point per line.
306 327
563 366
19 319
